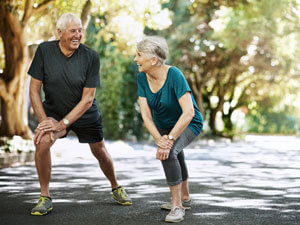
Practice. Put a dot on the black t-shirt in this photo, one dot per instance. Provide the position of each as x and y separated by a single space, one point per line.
64 79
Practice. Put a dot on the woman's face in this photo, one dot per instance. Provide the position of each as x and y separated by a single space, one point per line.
144 63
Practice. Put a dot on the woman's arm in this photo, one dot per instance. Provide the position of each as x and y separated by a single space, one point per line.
164 145
186 117
148 120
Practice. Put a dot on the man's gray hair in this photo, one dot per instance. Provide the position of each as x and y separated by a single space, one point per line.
154 46
66 19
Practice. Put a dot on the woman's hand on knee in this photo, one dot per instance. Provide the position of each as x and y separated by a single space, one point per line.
165 143
162 154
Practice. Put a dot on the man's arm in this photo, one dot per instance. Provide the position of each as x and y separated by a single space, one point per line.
35 98
83 105
37 105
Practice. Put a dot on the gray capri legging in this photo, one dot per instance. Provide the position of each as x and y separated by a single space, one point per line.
175 167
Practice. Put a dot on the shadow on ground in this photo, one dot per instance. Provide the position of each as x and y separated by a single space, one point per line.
245 183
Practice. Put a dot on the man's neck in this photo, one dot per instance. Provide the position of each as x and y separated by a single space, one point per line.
66 52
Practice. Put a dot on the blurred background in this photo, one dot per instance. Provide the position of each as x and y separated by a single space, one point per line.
240 57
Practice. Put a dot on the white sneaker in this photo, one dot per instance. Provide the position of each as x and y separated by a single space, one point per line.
175 215
185 203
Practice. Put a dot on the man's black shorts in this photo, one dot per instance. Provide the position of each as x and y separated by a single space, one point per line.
88 133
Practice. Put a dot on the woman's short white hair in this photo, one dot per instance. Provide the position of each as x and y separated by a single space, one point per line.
154 46
66 19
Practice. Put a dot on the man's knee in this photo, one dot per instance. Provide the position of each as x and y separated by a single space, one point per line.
98 146
46 141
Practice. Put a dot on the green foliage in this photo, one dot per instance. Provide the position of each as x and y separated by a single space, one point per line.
270 122
236 52
117 96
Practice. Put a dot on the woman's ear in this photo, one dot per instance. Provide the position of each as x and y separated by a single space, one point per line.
154 61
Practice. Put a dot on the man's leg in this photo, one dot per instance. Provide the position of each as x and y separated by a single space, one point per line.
105 162
43 160
106 165
43 166
43 163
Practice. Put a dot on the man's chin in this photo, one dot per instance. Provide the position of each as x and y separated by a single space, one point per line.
75 46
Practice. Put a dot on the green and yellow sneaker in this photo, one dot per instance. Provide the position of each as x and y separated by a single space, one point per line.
43 207
120 195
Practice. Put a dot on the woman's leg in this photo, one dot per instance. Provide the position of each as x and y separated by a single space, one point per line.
176 170
176 195
185 195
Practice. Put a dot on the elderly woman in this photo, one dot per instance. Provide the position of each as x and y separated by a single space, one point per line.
171 116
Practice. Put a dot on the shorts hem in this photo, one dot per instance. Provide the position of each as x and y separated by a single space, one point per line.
90 141
174 183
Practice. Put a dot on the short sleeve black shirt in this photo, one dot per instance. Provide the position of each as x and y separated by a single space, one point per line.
64 79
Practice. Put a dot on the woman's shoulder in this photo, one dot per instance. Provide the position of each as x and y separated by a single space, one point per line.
141 75
175 72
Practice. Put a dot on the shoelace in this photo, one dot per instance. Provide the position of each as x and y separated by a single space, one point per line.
121 192
41 202
174 211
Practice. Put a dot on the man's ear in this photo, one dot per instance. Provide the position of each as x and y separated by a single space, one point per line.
59 32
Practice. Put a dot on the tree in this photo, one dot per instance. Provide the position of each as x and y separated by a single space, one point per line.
113 34
229 58
13 80
29 21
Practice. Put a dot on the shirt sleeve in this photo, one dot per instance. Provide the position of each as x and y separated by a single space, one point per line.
141 85
36 69
180 84
93 74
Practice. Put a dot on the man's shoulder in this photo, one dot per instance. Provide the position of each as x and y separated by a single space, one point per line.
88 50
48 44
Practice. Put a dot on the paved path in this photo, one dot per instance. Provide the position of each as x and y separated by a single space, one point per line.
256 182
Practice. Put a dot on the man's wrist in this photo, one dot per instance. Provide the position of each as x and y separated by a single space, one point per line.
66 121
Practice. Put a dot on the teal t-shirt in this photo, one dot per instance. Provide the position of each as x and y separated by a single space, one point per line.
164 104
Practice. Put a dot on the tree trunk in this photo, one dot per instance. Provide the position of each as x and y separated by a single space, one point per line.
13 81
212 121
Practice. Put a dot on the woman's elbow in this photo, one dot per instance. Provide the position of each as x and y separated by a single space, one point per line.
190 114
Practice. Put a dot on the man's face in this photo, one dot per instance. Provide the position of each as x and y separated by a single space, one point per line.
71 36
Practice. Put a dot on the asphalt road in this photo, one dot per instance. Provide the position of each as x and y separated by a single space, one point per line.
229 186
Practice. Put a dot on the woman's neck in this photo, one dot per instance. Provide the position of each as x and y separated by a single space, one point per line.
156 72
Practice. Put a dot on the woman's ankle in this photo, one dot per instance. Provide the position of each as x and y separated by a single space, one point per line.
186 198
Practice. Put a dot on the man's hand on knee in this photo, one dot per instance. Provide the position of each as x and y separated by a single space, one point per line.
50 124
42 134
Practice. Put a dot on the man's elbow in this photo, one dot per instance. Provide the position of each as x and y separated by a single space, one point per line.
32 93
88 102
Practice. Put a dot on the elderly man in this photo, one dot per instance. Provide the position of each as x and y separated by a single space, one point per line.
69 74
